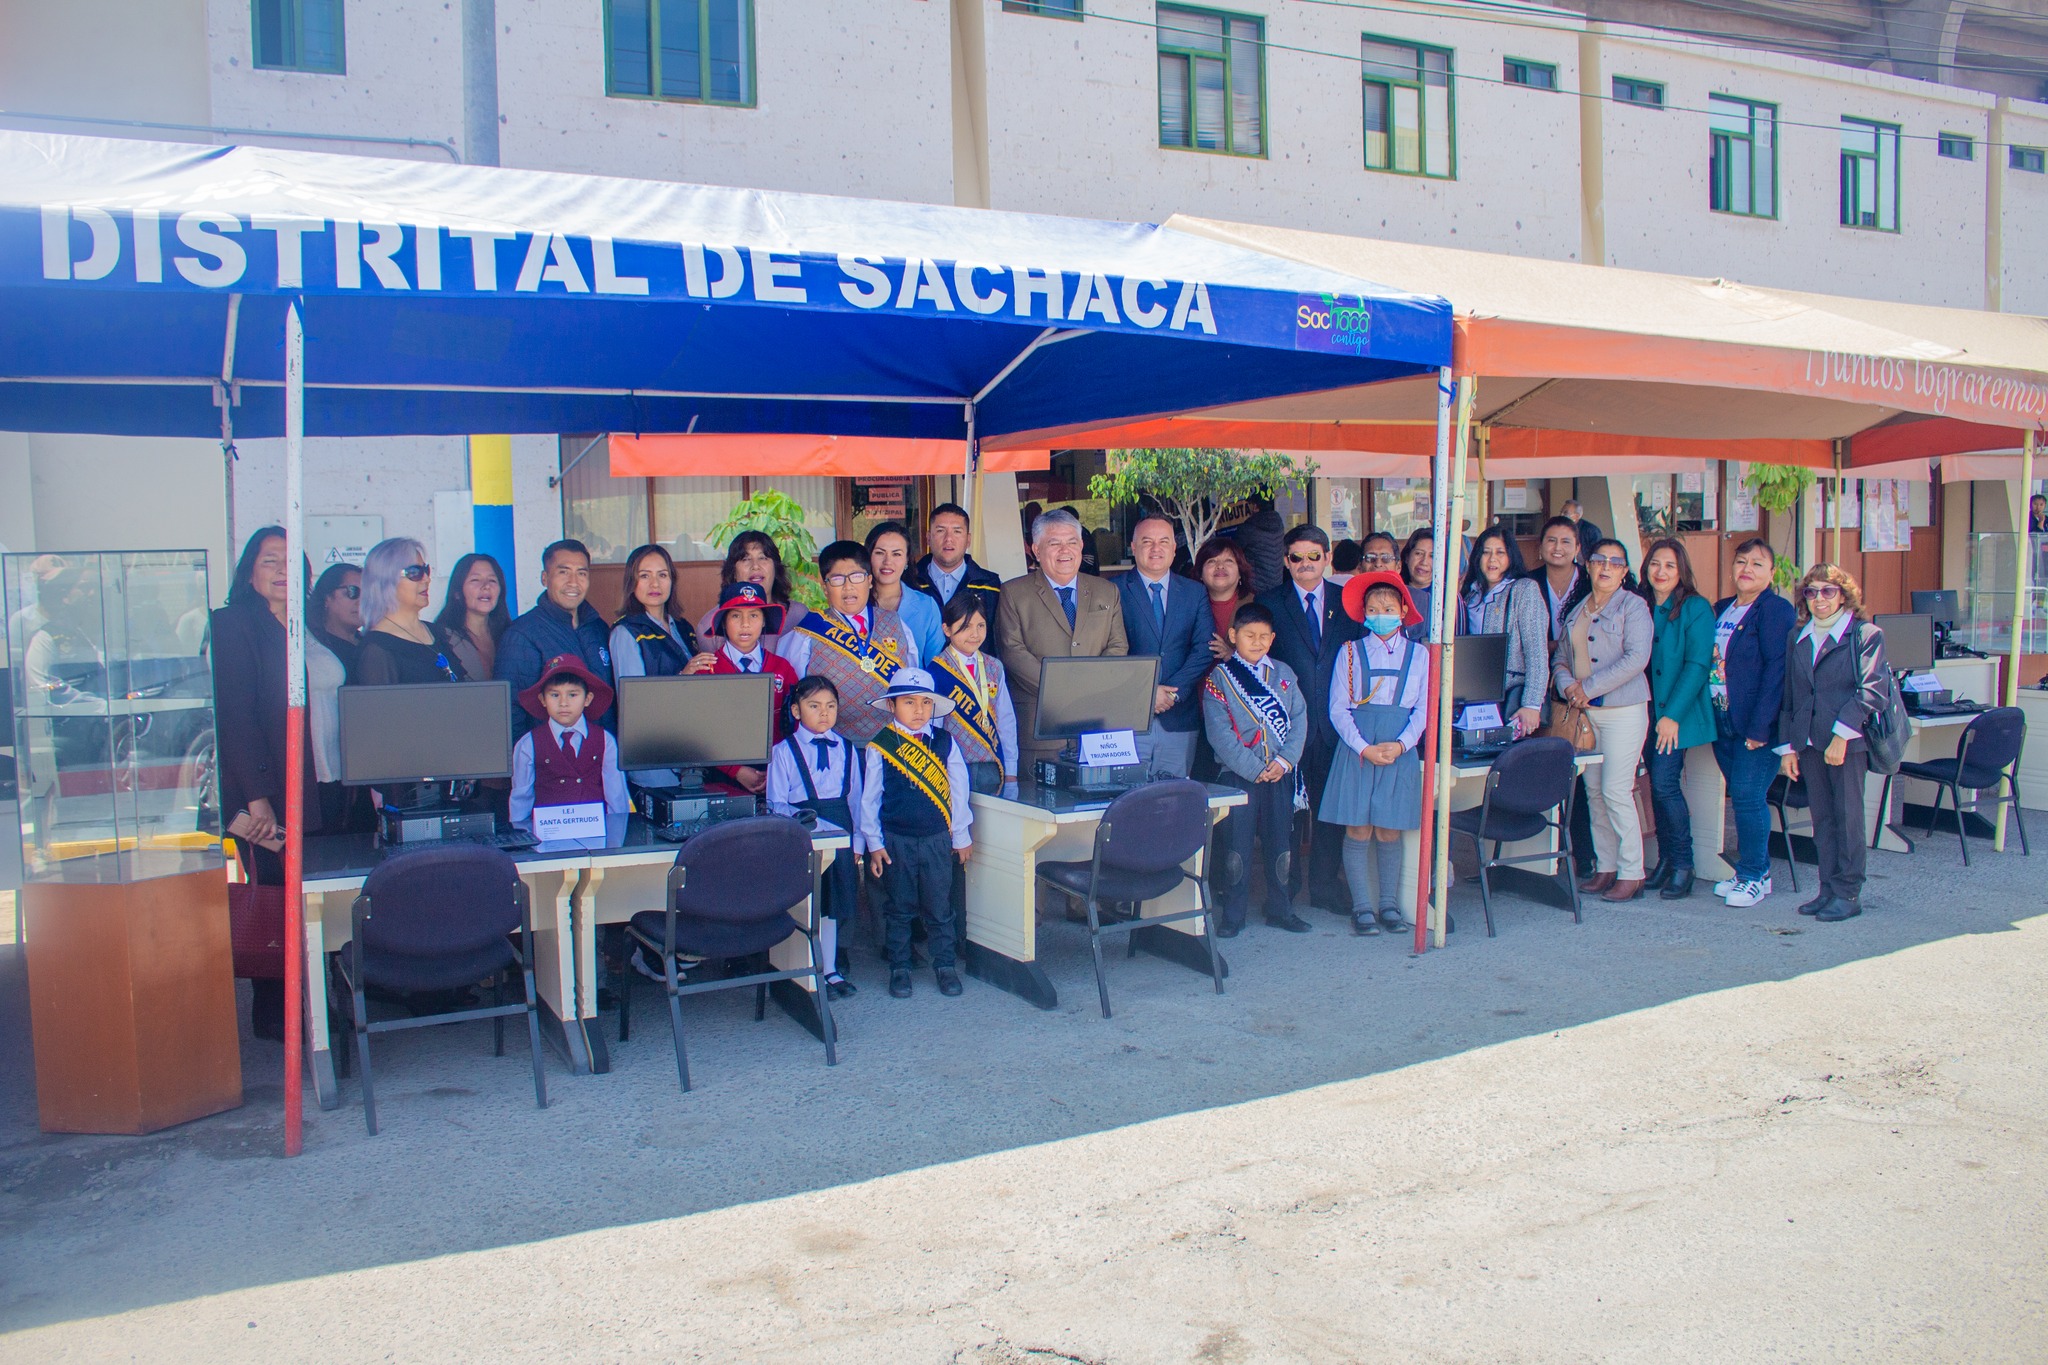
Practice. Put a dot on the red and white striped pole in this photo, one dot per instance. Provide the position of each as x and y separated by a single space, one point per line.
295 987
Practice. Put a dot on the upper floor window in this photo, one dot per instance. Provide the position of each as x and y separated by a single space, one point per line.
1408 109
1055 9
1536 75
1629 90
298 35
1960 146
1743 165
1212 81
699 50
1870 174
2025 159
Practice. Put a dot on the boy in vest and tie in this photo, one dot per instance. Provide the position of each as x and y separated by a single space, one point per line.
1257 722
816 770
567 761
742 619
914 823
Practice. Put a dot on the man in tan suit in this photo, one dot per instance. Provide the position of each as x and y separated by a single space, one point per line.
1058 611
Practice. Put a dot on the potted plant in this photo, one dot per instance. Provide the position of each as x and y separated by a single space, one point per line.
781 518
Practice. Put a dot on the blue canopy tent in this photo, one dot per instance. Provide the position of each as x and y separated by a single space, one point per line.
166 289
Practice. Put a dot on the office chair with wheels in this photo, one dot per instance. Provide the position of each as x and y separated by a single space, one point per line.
1528 790
1988 753
1141 844
729 896
441 919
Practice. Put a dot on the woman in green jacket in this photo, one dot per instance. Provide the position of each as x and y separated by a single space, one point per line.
1681 658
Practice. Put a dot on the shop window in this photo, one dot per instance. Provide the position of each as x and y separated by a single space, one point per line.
1629 90
1535 75
1400 507
1409 109
298 35
875 498
1106 530
608 515
1870 175
685 510
1743 157
1212 81
1673 504
699 51
1518 505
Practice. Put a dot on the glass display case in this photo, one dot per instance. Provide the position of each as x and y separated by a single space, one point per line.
1987 605
111 698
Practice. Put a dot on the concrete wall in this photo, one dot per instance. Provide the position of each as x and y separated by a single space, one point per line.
123 59
2024 276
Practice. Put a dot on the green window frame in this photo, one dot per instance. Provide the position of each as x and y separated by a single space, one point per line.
1956 146
1045 9
1647 94
298 35
1870 174
1410 108
1742 163
1535 75
680 51
1212 81
2026 159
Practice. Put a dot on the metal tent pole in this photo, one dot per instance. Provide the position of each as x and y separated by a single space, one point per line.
2019 590
1444 600
295 988
1439 471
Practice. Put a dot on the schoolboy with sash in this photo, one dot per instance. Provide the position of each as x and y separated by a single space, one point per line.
983 721
858 647
814 769
1256 717
1379 704
565 760
743 617
914 821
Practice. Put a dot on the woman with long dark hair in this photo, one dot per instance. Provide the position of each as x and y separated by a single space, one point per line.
1418 571
475 613
1681 717
334 611
751 558
1495 599
1225 571
649 641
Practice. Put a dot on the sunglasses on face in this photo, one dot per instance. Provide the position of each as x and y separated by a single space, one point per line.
1607 562
415 573
351 592
1383 561
847 580
1821 591
1305 559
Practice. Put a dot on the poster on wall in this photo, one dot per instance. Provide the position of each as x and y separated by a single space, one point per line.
1514 495
340 540
1887 515
1742 509
1849 504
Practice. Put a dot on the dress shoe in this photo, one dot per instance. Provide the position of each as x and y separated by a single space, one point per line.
1229 930
1838 910
1679 886
1816 905
1597 883
838 987
1291 922
899 982
1623 890
1660 875
1392 921
1364 923
949 980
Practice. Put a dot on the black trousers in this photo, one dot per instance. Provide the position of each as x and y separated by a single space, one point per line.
1327 889
1268 816
918 881
1582 829
1836 799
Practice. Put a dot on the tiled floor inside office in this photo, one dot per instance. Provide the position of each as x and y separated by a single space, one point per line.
94 1225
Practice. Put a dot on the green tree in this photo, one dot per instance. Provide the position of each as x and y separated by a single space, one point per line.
1778 488
781 518
1194 486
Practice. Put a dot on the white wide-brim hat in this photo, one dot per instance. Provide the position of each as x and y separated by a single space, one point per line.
914 682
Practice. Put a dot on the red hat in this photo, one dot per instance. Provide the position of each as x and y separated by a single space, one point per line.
745 594
1363 583
568 666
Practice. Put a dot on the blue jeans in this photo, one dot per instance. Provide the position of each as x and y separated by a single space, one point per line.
1748 772
1667 798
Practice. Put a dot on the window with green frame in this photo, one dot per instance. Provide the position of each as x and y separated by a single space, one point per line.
1535 75
298 35
696 50
1870 174
1629 90
2026 159
1212 81
1051 9
1409 109
1742 168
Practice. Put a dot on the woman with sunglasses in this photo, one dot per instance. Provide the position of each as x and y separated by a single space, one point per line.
1603 655
334 621
1835 679
334 611
400 647
1495 599
1681 661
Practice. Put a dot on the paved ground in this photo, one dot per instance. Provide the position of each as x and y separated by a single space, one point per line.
1669 1133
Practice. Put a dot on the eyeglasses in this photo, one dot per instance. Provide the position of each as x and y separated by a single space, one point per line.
415 573
1821 591
1383 561
847 580
1607 561
352 591
1305 559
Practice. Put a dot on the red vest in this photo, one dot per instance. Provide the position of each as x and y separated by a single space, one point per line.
563 779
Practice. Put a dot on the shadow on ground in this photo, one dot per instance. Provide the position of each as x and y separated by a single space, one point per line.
91 1226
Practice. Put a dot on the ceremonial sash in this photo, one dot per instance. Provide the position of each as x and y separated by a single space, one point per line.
873 656
925 770
973 710
1258 700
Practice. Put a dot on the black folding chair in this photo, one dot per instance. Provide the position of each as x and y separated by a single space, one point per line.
1988 753
441 919
1785 794
1528 790
1140 845
729 896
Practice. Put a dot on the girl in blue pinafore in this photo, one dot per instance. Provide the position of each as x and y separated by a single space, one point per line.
1378 704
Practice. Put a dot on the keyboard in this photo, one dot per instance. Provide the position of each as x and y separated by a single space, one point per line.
1947 708
1484 755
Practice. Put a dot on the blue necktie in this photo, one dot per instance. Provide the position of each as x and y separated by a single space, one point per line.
1315 622
824 748
746 664
1159 608
1067 601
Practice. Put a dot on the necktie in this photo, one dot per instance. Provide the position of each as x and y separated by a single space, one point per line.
1159 607
1067 601
569 742
1315 621
824 748
746 663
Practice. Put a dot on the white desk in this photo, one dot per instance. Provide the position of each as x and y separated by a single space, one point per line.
1932 737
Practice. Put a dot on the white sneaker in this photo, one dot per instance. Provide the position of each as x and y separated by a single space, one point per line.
1725 885
1748 894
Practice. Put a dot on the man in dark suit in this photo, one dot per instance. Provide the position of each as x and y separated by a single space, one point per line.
1311 627
1167 615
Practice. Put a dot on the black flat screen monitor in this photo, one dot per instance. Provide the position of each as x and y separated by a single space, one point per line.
1941 603
425 732
1079 696
1908 641
1479 669
702 720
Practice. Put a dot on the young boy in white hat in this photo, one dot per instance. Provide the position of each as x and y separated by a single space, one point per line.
914 821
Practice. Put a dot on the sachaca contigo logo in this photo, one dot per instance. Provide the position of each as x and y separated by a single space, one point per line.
1332 322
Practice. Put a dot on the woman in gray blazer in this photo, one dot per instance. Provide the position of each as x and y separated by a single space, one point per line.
1494 599
1602 656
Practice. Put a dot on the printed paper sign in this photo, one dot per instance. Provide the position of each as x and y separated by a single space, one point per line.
1922 682
584 820
1481 715
1109 749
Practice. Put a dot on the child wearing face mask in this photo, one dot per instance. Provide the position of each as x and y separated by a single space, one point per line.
1379 705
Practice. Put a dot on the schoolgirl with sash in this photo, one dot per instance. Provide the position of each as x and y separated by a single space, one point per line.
914 822
1256 719
983 721
816 770
1379 705
857 646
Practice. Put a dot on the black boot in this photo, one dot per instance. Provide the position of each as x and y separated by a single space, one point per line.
1660 874
1679 886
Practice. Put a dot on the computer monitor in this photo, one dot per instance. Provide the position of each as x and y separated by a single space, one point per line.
699 720
1080 696
1908 641
1942 604
1479 669
425 732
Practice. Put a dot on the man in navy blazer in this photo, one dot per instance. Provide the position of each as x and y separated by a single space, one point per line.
1167 615
1311 627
